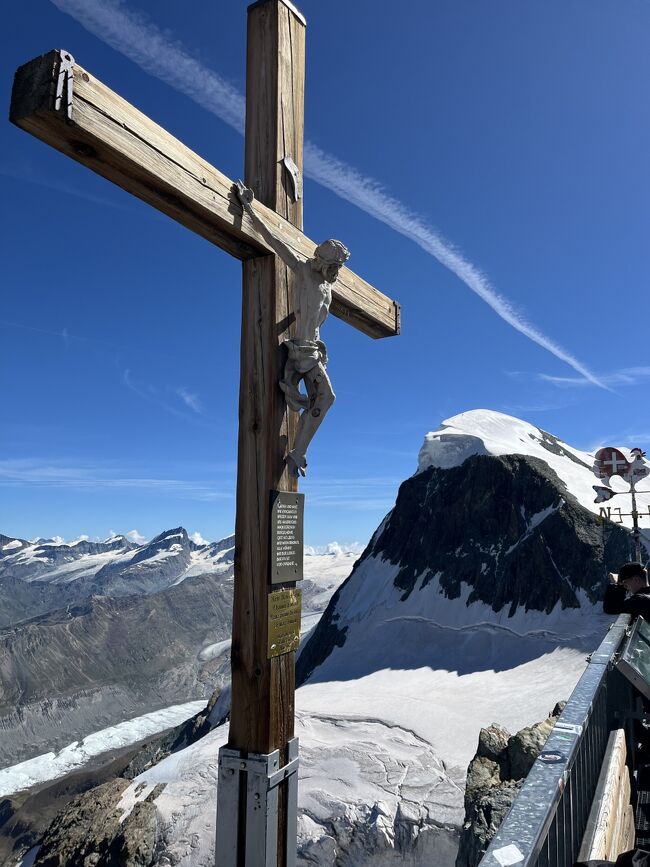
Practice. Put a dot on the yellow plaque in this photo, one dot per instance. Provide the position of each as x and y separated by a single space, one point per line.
284 621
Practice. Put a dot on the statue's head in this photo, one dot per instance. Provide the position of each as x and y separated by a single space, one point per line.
329 258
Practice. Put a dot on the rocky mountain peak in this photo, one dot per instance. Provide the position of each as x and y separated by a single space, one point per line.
496 527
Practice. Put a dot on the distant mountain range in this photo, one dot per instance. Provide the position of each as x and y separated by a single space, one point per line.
99 632
40 576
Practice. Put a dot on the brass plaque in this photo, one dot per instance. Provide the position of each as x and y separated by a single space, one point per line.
284 621
286 536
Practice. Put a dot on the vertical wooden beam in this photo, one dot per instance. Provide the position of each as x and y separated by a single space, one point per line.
262 715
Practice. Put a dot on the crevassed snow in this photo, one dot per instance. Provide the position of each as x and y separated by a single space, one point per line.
394 741
51 766
354 774
487 432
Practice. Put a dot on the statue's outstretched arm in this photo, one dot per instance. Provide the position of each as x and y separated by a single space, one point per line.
246 196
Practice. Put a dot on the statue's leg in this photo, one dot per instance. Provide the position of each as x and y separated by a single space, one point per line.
321 398
290 385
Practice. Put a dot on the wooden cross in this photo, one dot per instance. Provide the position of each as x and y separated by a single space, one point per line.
61 103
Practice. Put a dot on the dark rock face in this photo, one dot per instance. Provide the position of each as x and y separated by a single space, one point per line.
494 777
506 527
456 520
88 831
9 545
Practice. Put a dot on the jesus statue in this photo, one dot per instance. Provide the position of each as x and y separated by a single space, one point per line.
306 352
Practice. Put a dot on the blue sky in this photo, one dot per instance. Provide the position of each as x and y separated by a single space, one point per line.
499 191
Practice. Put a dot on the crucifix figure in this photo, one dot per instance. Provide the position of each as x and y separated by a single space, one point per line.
306 352
60 102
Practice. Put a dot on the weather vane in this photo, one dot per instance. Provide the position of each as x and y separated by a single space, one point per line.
609 462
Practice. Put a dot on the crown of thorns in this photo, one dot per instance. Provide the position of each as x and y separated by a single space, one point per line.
332 252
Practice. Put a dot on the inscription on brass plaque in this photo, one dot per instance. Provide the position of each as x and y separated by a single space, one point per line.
284 621
286 536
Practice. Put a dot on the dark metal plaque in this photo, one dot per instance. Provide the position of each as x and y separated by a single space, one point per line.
284 621
287 541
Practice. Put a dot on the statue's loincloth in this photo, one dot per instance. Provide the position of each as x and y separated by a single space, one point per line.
306 354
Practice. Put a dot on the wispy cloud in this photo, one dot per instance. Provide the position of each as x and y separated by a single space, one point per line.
629 438
625 376
25 172
147 46
37 472
64 334
198 539
513 409
190 399
151 394
136 536
369 493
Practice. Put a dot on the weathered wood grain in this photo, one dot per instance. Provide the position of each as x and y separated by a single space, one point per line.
263 690
608 826
114 139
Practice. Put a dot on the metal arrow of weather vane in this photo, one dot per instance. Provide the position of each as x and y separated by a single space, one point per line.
609 462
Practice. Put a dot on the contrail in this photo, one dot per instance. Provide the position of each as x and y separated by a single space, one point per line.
146 45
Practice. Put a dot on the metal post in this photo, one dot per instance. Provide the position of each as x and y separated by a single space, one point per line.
635 524
255 777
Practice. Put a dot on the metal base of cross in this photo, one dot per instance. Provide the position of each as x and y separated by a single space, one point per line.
260 775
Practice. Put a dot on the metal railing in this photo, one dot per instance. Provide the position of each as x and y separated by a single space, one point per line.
546 823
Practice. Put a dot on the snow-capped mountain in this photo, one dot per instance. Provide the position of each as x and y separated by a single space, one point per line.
55 573
475 601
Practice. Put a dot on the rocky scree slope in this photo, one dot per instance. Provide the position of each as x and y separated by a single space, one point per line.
90 665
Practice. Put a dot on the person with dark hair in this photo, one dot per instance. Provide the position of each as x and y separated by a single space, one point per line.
632 579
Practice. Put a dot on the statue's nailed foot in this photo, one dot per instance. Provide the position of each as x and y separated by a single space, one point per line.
296 400
297 464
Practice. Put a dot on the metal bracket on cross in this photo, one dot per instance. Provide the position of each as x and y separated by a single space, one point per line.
260 774
63 94
296 178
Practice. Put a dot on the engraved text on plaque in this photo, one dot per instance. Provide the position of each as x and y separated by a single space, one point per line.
286 536
284 621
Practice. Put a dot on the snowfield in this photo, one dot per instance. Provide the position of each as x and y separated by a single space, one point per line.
389 721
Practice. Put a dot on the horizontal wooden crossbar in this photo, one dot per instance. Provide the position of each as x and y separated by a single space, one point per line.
61 103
